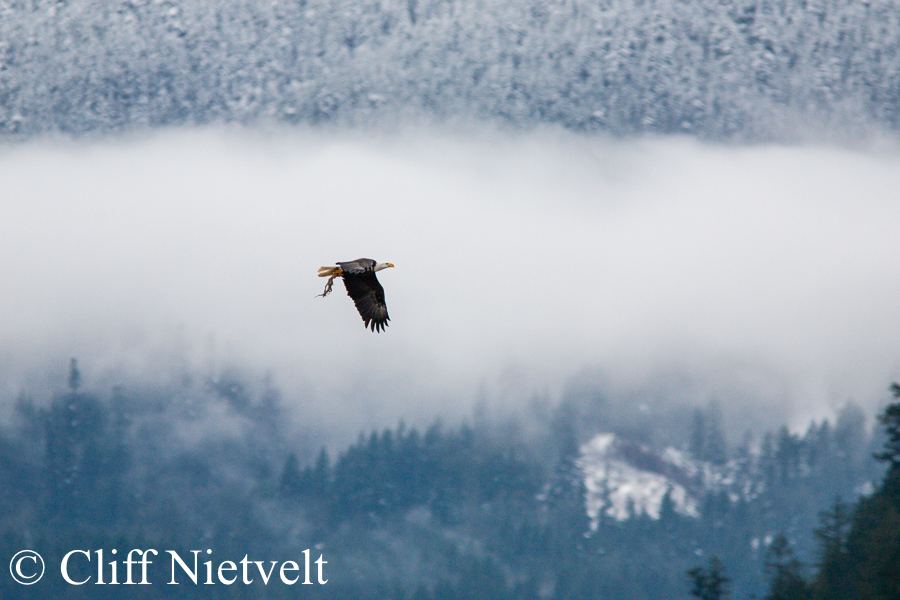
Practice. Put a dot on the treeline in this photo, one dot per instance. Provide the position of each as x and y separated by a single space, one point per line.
448 511
736 70
449 473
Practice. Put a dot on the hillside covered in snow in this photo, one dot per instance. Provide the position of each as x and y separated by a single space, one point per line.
723 69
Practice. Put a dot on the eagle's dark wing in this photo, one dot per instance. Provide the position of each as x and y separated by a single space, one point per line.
368 295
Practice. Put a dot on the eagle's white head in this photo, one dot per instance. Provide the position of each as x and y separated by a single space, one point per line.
380 266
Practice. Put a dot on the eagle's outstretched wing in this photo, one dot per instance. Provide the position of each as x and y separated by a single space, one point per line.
368 295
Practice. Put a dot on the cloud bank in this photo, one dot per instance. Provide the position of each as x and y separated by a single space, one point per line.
520 260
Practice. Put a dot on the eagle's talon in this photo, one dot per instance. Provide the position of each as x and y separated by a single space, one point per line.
327 287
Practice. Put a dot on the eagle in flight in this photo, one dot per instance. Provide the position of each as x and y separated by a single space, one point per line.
362 285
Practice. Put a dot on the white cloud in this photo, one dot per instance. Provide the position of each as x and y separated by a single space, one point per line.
546 251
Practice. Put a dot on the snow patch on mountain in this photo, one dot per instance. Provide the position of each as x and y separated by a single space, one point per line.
625 479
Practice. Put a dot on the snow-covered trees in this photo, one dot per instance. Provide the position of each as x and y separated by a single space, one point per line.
738 69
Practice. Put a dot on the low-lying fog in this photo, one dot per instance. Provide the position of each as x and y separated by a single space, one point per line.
521 260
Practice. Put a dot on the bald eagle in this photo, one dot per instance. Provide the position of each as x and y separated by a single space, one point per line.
362 285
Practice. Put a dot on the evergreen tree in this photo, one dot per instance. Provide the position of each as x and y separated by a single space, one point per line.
709 583
833 579
707 439
565 496
716 446
667 512
74 376
786 581
320 477
290 484
850 433
75 449
698 434
788 455
890 420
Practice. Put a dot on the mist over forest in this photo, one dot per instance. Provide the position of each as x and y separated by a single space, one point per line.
643 311
658 266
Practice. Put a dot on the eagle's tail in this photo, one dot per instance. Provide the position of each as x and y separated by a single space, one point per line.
331 273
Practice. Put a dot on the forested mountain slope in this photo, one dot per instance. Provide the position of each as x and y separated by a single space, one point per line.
209 464
719 69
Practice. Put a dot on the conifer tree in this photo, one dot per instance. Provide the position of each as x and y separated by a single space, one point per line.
709 583
290 484
890 420
74 376
833 579
786 582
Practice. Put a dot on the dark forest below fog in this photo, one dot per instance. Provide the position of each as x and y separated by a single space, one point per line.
454 510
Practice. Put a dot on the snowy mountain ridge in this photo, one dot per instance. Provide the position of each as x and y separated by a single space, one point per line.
760 69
